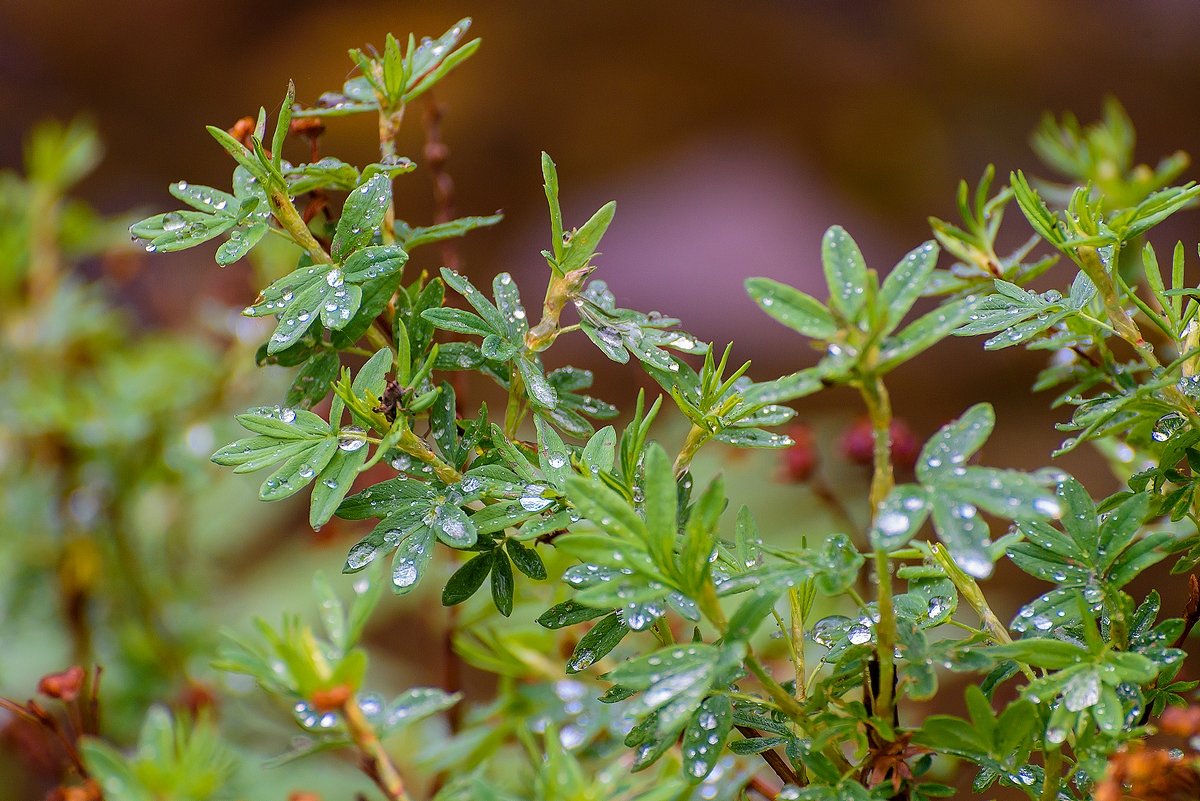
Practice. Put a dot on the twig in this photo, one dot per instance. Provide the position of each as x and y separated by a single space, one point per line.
777 763
376 762
436 154
1191 613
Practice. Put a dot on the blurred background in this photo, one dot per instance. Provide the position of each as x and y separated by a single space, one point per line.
731 135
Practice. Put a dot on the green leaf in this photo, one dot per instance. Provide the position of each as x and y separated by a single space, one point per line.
956 442
428 235
281 126
924 332
899 517
502 582
457 320
242 240
568 613
333 483
798 311
526 559
312 383
362 214
597 643
379 261
550 177
467 579
904 284
581 247
750 614
411 560
705 737
660 505
845 273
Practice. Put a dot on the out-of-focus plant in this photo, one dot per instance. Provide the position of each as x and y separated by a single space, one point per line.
99 429
647 677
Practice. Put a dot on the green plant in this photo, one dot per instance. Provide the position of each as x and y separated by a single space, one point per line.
663 605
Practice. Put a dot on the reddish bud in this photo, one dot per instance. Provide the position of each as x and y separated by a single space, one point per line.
65 685
302 795
242 130
797 462
858 444
905 447
88 791
306 126
332 699
196 697
1181 721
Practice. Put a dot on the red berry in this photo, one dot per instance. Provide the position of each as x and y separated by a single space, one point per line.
798 461
858 444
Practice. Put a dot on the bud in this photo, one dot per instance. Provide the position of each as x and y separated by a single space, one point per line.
308 127
242 130
332 699
858 444
797 462
64 686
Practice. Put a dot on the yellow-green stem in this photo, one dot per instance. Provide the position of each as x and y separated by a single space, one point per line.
1053 773
416 447
798 640
696 437
389 127
778 694
516 404
879 409
385 774
291 221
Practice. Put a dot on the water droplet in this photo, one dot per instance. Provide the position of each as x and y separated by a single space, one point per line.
405 574
1048 506
350 438
858 634
974 564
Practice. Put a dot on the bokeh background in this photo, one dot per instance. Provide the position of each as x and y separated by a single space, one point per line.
731 135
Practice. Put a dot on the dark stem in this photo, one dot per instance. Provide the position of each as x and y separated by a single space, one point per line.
436 154
777 763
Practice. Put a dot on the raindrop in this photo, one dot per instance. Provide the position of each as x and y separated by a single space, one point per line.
350 438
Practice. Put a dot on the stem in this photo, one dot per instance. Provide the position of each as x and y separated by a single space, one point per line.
377 338
516 407
291 221
662 632
560 291
389 127
696 437
436 153
787 704
1053 774
417 448
43 244
798 641
879 408
381 769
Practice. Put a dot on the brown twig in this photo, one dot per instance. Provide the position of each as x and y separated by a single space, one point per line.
436 153
1191 613
376 763
777 763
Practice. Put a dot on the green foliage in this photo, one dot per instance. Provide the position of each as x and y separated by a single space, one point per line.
632 644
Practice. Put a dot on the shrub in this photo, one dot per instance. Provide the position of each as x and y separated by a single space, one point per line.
646 675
